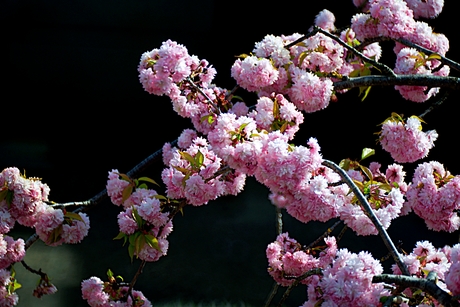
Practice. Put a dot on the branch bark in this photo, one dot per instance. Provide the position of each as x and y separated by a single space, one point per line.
370 213
428 285
418 80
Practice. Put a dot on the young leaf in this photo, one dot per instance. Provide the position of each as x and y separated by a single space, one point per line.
73 216
187 157
121 235
127 191
367 172
367 152
199 159
148 180
152 242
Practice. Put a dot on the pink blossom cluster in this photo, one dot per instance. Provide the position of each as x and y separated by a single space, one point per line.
253 73
452 276
347 281
56 227
353 65
344 278
192 174
275 112
298 68
161 70
7 298
444 261
420 8
425 8
405 141
11 251
287 259
410 61
171 71
142 214
104 294
397 19
297 180
384 192
44 287
434 195
22 199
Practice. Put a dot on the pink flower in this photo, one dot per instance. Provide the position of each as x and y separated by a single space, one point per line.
126 222
348 282
325 20
253 73
48 221
74 230
394 18
308 92
434 195
115 187
11 251
273 47
425 8
405 141
93 292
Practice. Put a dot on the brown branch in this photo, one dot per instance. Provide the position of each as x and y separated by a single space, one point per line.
96 199
417 80
370 213
387 70
428 285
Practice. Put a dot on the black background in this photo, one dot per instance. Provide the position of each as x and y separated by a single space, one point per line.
73 109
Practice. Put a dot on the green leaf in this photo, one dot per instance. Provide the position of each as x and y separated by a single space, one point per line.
242 56
434 56
121 235
125 177
367 172
148 180
55 235
161 197
131 252
364 91
133 238
187 157
137 217
345 164
139 243
367 152
239 98
143 186
109 274
127 191
199 159
152 242
73 216
3 193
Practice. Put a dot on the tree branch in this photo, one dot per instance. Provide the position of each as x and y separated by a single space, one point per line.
370 213
418 80
428 285
96 199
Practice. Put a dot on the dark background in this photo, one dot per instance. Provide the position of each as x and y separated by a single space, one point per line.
73 109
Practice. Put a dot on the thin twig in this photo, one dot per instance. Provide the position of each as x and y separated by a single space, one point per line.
428 52
384 68
418 80
136 276
435 105
315 271
96 199
272 294
325 234
370 213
